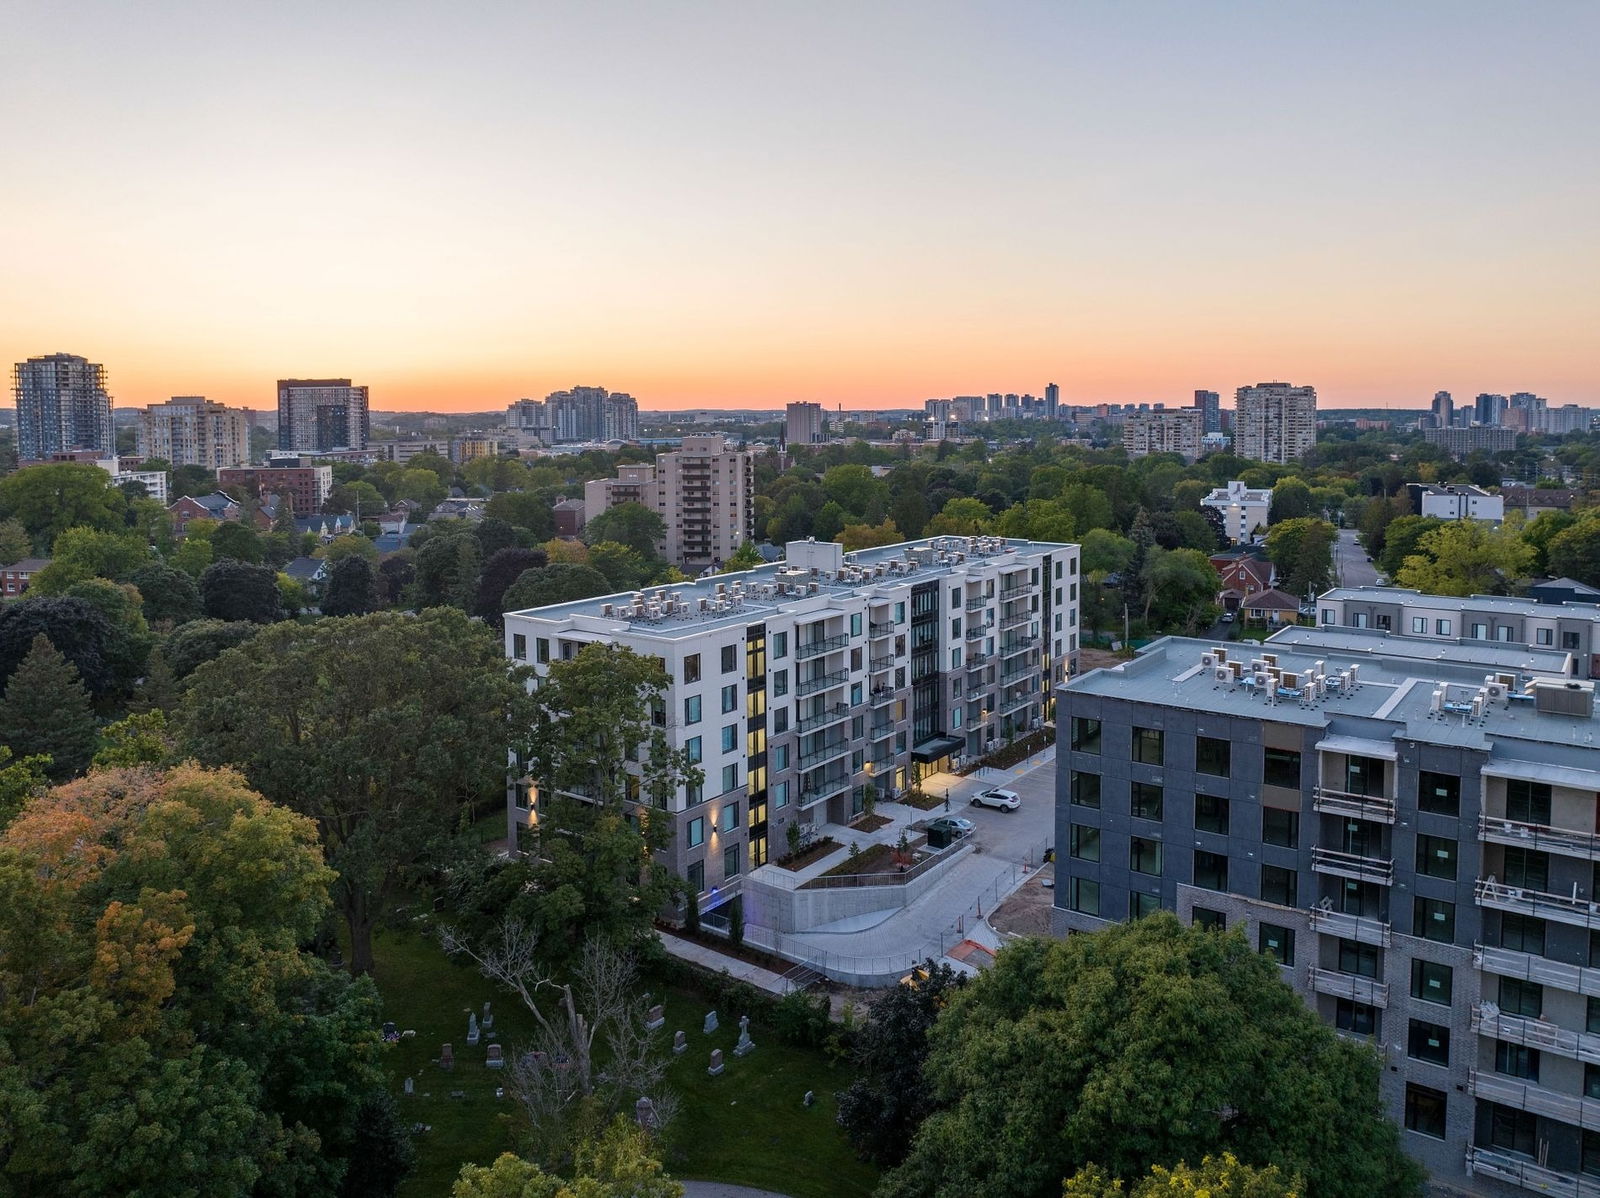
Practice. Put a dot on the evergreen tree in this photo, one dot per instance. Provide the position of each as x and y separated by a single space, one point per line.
46 712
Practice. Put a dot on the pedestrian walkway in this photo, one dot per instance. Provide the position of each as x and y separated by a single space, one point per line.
710 958
723 1189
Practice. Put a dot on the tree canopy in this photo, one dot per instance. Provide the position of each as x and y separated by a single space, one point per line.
620 1164
630 524
1466 557
233 591
1146 1043
46 712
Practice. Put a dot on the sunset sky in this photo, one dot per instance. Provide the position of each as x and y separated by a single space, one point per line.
859 203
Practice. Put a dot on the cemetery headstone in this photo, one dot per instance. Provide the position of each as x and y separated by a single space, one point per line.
447 1057
746 1045
716 1063
411 1087
680 1042
711 1023
488 1017
496 1058
655 1019
472 1028
644 1113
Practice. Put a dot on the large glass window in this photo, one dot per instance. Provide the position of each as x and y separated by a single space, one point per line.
1528 802
1438 794
697 831
1363 775
1527 869
733 861
1208 920
730 658
1518 997
691 709
1277 943
1085 789
1085 842
1149 746
1436 857
1432 982
1083 895
1522 933
1281 767
1429 1042
1280 827
1357 958
1210 870
1144 856
1145 801
1355 1017
1279 886
1425 1110
1434 919
1141 904
1211 814
1513 1130
1085 735
1516 1060
1211 756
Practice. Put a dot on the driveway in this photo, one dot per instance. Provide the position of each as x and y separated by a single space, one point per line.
1350 565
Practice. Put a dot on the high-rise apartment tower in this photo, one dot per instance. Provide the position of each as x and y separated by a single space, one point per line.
62 405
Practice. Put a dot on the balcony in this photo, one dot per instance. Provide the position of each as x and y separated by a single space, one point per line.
978 604
1012 589
883 763
829 752
1489 1020
881 729
875 630
1350 985
1015 618
1559 907
1016 672
1350 927
826 645
1536 1099
976 632
976 661
1566 841
1353 865
878 664
1020 644
1520 1171
823 719
881 697
1343 802
821 792
822 682
1510 963
1017 703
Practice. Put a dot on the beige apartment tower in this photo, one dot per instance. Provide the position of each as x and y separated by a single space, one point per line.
704 493
1177 431
803 425
190 430
1274 422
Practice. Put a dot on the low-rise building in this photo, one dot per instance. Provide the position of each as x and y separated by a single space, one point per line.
1412 838
1243 509
1456 501
796 685
215 506
14 579
306 483
1460 442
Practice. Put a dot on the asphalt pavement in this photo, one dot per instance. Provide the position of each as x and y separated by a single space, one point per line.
1350 565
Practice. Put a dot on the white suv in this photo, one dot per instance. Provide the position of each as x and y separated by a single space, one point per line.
1003 800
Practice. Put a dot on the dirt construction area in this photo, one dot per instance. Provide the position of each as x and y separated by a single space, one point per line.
1027 912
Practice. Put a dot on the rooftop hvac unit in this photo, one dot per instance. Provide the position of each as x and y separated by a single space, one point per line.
1564 698
1262 678
1223 674
1436 703
1209 660
1496 691
1221 653
606 609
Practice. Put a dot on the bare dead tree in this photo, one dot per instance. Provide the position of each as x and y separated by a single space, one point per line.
561 1084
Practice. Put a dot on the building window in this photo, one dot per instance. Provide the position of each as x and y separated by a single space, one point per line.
1516 1060
1083 894
1518 997
780 720
1544 636
691 750
1591 1080
541 649
1432 982
1434 919
1589 1161
697 831
1419 625
1208 920
780 644
691 709
1327 615
1280 827
730 658
519 646
730 738
1281 767
1146 801
1513 1130
1429 1042
1436 857
780 683
1358 959
1438 794
1425 1111
729 817
693 793
780 794
1442 627
691 668
1211 756
1277 943
1085 842
780 758
1144 856
1085 789
855 623
1211 814
1210 870
1528 802
733 861
1355 1017
1147 746
730 778
730 698
1279 886
695 875
1141 904
1527 869
1569 640
1085 735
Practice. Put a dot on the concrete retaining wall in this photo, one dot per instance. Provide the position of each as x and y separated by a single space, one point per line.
799 910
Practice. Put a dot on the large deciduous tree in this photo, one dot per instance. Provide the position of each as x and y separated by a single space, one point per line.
559 582
162 1030
1145 1043
48 500
351 589
503 567
232 590
620 1164
82 553
383 728
1465 557
630 524
193 644
1302 550
168 595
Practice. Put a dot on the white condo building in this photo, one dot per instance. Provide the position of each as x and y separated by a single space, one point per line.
1243 509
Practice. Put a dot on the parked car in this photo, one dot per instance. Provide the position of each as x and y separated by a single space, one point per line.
953 826
1000 800
1228 617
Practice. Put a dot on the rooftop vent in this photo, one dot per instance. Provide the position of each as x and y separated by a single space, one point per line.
1564 698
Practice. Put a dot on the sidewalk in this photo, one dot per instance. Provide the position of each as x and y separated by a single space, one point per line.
710 958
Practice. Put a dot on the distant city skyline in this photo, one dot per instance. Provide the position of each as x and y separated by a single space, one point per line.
732 205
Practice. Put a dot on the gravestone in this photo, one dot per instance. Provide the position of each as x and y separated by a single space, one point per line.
711 1023
472 1029
746 1045
655 1019
496 1058
716 1063
488 1017
411 1087
644 1113
447 1057
811 1097
680 1042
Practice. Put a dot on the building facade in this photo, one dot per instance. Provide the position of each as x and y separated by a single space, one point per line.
1459 442
62 405
798 684
1414 843
803 424
586 414
307 486
1243 509
1209 405
190 430
703 491
322 414
1176 431
1274 422
1456 501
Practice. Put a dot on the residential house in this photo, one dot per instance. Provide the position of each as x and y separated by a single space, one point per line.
215 506
14 578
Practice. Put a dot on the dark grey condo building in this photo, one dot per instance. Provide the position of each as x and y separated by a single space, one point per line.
1413 836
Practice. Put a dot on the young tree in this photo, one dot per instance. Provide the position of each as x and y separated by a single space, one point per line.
619 1165
383 728
1217 1177
888 1101
1144 1043
233 591
46 712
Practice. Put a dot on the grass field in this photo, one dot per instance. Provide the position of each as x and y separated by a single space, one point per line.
748 1126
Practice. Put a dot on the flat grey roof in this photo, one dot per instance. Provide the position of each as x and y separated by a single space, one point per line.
753 606
1359 643
1505 604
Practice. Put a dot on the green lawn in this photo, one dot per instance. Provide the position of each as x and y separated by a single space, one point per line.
748 1126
